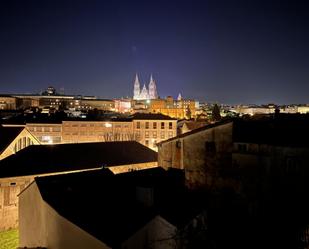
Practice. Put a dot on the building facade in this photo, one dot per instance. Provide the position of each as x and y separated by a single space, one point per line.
144 94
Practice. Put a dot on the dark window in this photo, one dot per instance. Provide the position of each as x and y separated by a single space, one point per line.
138 125
210 147
154 125
242 147
162 125
170 125
147 125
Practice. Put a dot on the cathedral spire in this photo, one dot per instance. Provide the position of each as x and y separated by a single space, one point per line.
137 90
144 94
152 89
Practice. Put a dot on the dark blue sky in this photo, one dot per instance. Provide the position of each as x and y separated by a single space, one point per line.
230 51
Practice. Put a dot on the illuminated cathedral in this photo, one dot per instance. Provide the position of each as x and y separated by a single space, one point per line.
145 94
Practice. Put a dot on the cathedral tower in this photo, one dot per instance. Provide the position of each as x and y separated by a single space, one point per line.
153 94
136 93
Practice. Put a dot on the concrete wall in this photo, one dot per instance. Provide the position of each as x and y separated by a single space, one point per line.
42 226
158 233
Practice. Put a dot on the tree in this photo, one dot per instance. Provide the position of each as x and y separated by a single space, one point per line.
216 113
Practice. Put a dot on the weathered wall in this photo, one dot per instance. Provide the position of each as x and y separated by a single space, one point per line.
42 226
9 189
203 155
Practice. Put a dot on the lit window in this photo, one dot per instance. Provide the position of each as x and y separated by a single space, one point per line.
138 125
108 125
162 134
154 134
170 134
146 134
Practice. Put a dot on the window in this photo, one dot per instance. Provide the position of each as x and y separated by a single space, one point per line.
147 125
154 134
55 129
147 142
170 125
138 134
138 125
210 147
154 125
162 135
46 129
242 147
170 134
75 125
162 125
146 134
39 129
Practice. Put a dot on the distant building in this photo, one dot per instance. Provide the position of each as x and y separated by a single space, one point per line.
145 128
145 94
150 129
19 170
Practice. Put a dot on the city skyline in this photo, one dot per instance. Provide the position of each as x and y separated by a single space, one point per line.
230 52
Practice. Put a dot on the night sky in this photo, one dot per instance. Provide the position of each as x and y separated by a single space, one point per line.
228 51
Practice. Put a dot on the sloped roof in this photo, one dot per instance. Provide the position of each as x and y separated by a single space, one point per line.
41 159
105 205
7 135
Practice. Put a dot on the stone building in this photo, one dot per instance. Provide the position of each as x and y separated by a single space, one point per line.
216 156
18 170
150 129
145 94
8 102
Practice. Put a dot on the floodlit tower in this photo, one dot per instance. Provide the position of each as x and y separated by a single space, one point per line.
153 94
136 92
144 93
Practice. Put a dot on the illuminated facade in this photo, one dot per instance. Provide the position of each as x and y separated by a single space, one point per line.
180 109
147 129
145 94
